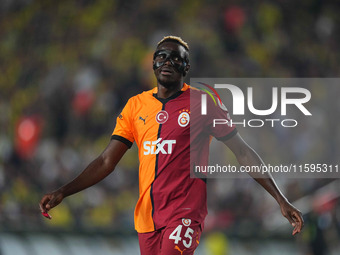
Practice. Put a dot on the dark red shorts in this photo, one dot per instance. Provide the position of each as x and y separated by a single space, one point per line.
178 238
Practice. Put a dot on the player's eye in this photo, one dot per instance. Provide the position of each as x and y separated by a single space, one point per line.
160 57
176 59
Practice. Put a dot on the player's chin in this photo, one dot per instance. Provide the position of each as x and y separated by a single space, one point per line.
167 80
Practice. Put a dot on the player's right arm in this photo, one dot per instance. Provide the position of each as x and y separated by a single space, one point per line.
96 171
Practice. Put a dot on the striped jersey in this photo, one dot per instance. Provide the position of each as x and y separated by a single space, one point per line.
170 140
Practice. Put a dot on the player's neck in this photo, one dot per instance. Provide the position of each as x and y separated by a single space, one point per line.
166 92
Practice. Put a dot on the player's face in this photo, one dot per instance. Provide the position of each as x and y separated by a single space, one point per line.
169 63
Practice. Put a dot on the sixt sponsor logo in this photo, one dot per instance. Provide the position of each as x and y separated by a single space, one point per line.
158 146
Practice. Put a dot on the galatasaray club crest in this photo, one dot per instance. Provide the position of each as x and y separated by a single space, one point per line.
186 222
184 118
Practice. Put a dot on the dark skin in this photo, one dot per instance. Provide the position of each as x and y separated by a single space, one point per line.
169 81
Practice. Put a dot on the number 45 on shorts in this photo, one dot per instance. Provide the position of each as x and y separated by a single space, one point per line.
184 234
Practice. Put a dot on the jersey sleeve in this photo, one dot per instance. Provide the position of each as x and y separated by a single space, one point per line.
124 125
218 120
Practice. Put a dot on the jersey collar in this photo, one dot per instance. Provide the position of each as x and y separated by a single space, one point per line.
184 88
177 94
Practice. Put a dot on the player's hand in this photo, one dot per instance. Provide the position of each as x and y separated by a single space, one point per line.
49 201
293 215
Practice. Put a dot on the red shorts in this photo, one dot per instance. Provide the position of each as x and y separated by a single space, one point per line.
178 238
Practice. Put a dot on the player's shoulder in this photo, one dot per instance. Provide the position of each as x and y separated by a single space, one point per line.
141 97
211 95
194 90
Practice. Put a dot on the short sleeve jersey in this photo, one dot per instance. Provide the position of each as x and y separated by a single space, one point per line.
161 130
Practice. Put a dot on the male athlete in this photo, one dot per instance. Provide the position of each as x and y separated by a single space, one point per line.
171 209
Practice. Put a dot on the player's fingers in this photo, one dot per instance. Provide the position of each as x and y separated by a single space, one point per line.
294 231
55 200
296 228
288 217
297 217
43 203
52 203
294 217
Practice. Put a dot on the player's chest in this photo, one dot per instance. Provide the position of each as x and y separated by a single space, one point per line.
165 121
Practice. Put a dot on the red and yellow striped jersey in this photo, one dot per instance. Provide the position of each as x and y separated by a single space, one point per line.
164 130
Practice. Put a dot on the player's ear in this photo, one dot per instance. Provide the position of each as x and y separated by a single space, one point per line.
186 70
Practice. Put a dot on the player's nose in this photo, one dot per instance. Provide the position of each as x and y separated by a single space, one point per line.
168 61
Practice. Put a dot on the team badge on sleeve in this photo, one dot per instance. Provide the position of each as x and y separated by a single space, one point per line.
186 222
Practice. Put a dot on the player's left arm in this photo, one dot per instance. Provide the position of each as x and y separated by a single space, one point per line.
246 156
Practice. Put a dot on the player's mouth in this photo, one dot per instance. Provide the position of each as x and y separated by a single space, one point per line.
166 71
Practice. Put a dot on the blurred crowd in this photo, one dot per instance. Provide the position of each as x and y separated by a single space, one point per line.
68 68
